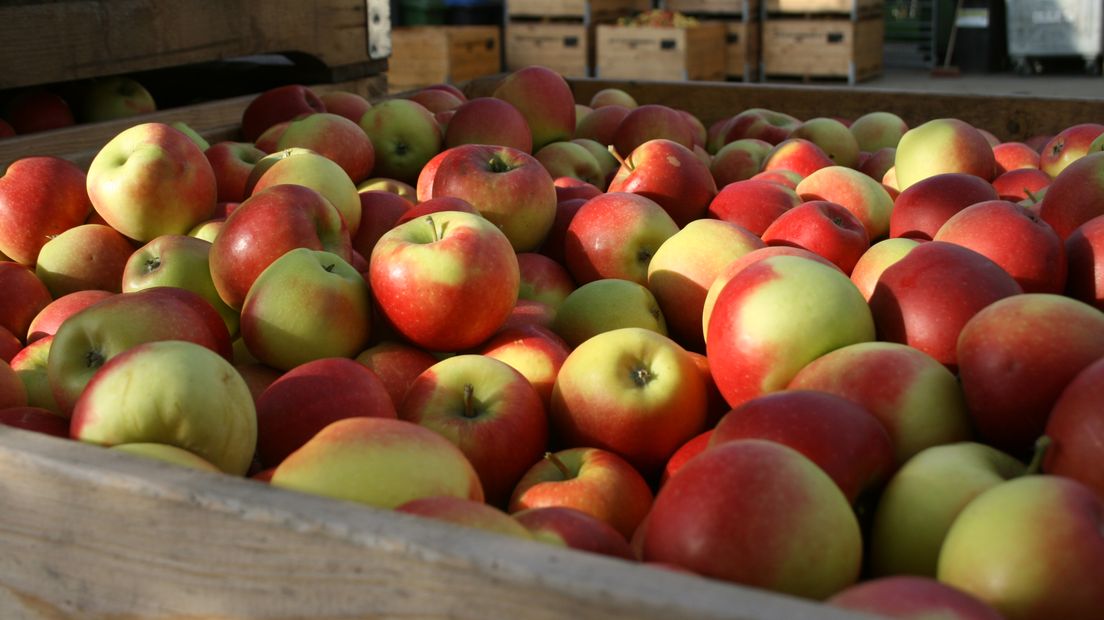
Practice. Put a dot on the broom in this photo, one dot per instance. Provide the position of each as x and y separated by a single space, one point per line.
947 70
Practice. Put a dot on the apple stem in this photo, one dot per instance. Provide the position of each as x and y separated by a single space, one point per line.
627 163
469 408
1042 444
1031 195
555 460
433 227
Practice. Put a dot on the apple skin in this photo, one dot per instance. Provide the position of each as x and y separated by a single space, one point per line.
1013 237
824 228
297 166
1003 549
923 208
379 212
875 165
24 297
574 529
38 109
333 137
166 454
384 184
466 513
426 176
605 305
1020 184
396 364
46 322
232 162
841 437
348 104
446 283
600 124
877 130
12 391
906 596
283 103
925 299
1075 196
192 399
30 364
862 196
1014 156
489 410
607 166
568 159
592 480
555 241
683 455
507 186
754 349
10 345
669 174
877 259
436 100
405 136
543 280
686 264
40 197
34 419
1085 262
760 514
279 334
487 120
264 227
85 257
1016 356
1076 427
833 137
943 145
753 204
921 501
1067 146
534 351
797 155
310 397
379 462
651 122
545 100
435 205
615 235
759 123
612 96
114 97
738 160
631 391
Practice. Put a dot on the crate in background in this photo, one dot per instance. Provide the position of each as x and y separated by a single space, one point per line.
833 48
853 7
560 35
656 53
741 20
424 55
745 9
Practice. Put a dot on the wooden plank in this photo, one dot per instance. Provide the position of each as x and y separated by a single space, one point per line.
424 55
748 9
590 11
628 52
1009 117
94 533
567 49
822 6
822 47
64 40
742 49
214 120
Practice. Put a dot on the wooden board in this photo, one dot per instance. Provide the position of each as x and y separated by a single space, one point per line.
833 48
63 40
590 11
629 52
424 55
214 120
1009 117
567 48
823 6
91 533
742 44
748 9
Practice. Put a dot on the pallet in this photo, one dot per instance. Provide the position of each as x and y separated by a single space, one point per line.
837 48
67 40
631 52
424 55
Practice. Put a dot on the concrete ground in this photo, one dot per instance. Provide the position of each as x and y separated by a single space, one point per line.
1064 85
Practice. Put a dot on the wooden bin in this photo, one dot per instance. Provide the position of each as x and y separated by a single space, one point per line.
742 8
66 40
688 53
742 45
838 48
423 55
590 11
564 47
854 7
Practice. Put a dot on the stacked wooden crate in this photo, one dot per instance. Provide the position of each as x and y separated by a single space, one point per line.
560 35
741 21
423 55
823 39
674 51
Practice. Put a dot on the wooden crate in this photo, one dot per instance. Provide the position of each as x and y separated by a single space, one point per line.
742 8
66 40
423 55
564 47
853 7
631 52
823 48
742 44
591 11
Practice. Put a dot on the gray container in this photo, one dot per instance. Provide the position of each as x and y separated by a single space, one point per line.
1040 29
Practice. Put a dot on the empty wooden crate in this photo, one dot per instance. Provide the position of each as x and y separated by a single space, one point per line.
659 53
423 55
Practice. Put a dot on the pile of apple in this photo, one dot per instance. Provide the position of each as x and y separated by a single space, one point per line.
810 356
34 109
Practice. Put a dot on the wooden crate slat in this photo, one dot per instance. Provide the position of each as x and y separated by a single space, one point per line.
822 47
822 6
742 49
95 533
66 40
748 9
590 11
565 48
423 55
630 52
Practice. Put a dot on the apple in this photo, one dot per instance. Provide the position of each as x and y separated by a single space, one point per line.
436 100
612 96
684 454
943 145
405 136
334 137
1075 196
651 122
12 391
489 410
759 123
608 165
466 513
192 398
669 174
924 207
833 137
310 397
787 178
755 348
594 481
446 282
1021 184
1013 237
877 164
35 419
605 305
796 155
1067 146
862 196
925 298
264 227
276 330
435 205
114 97
1085 260
166 454
760 514
876 260
992 549
568 527
1014 156
9 344
878 130
232 163
824 228
753 204
508 187
309 169
379 212
545 100
24 297
568 159
1075 428
151 180
396 364
534 351
40 198
615 235
631 391
37 109
30 363
348 104
487 120
738 160
379 462
907 596
85 257
543 279
276 105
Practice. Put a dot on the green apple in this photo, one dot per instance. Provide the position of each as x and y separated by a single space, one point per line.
405 136
604 305
166 453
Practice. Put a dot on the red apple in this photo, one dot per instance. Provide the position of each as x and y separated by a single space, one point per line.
575 529
753 204
40 197
348 104
1085 259
534 351
738 160
544 98
379 212
37 109
487 120
907 596
1015 155
1067 146
1076 429
924 207
1020 184
283 103
683 455
651 122
334 137
435 205
12 391
824 228
1075 196
397 365
35 419
24 297
615 235
601 123
876 260
466 513
85 257
669 174
796 155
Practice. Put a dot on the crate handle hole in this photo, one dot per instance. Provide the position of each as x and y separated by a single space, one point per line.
667 44
571 41
835 37
732 38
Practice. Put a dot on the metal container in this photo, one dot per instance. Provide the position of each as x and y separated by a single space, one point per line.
1053 28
